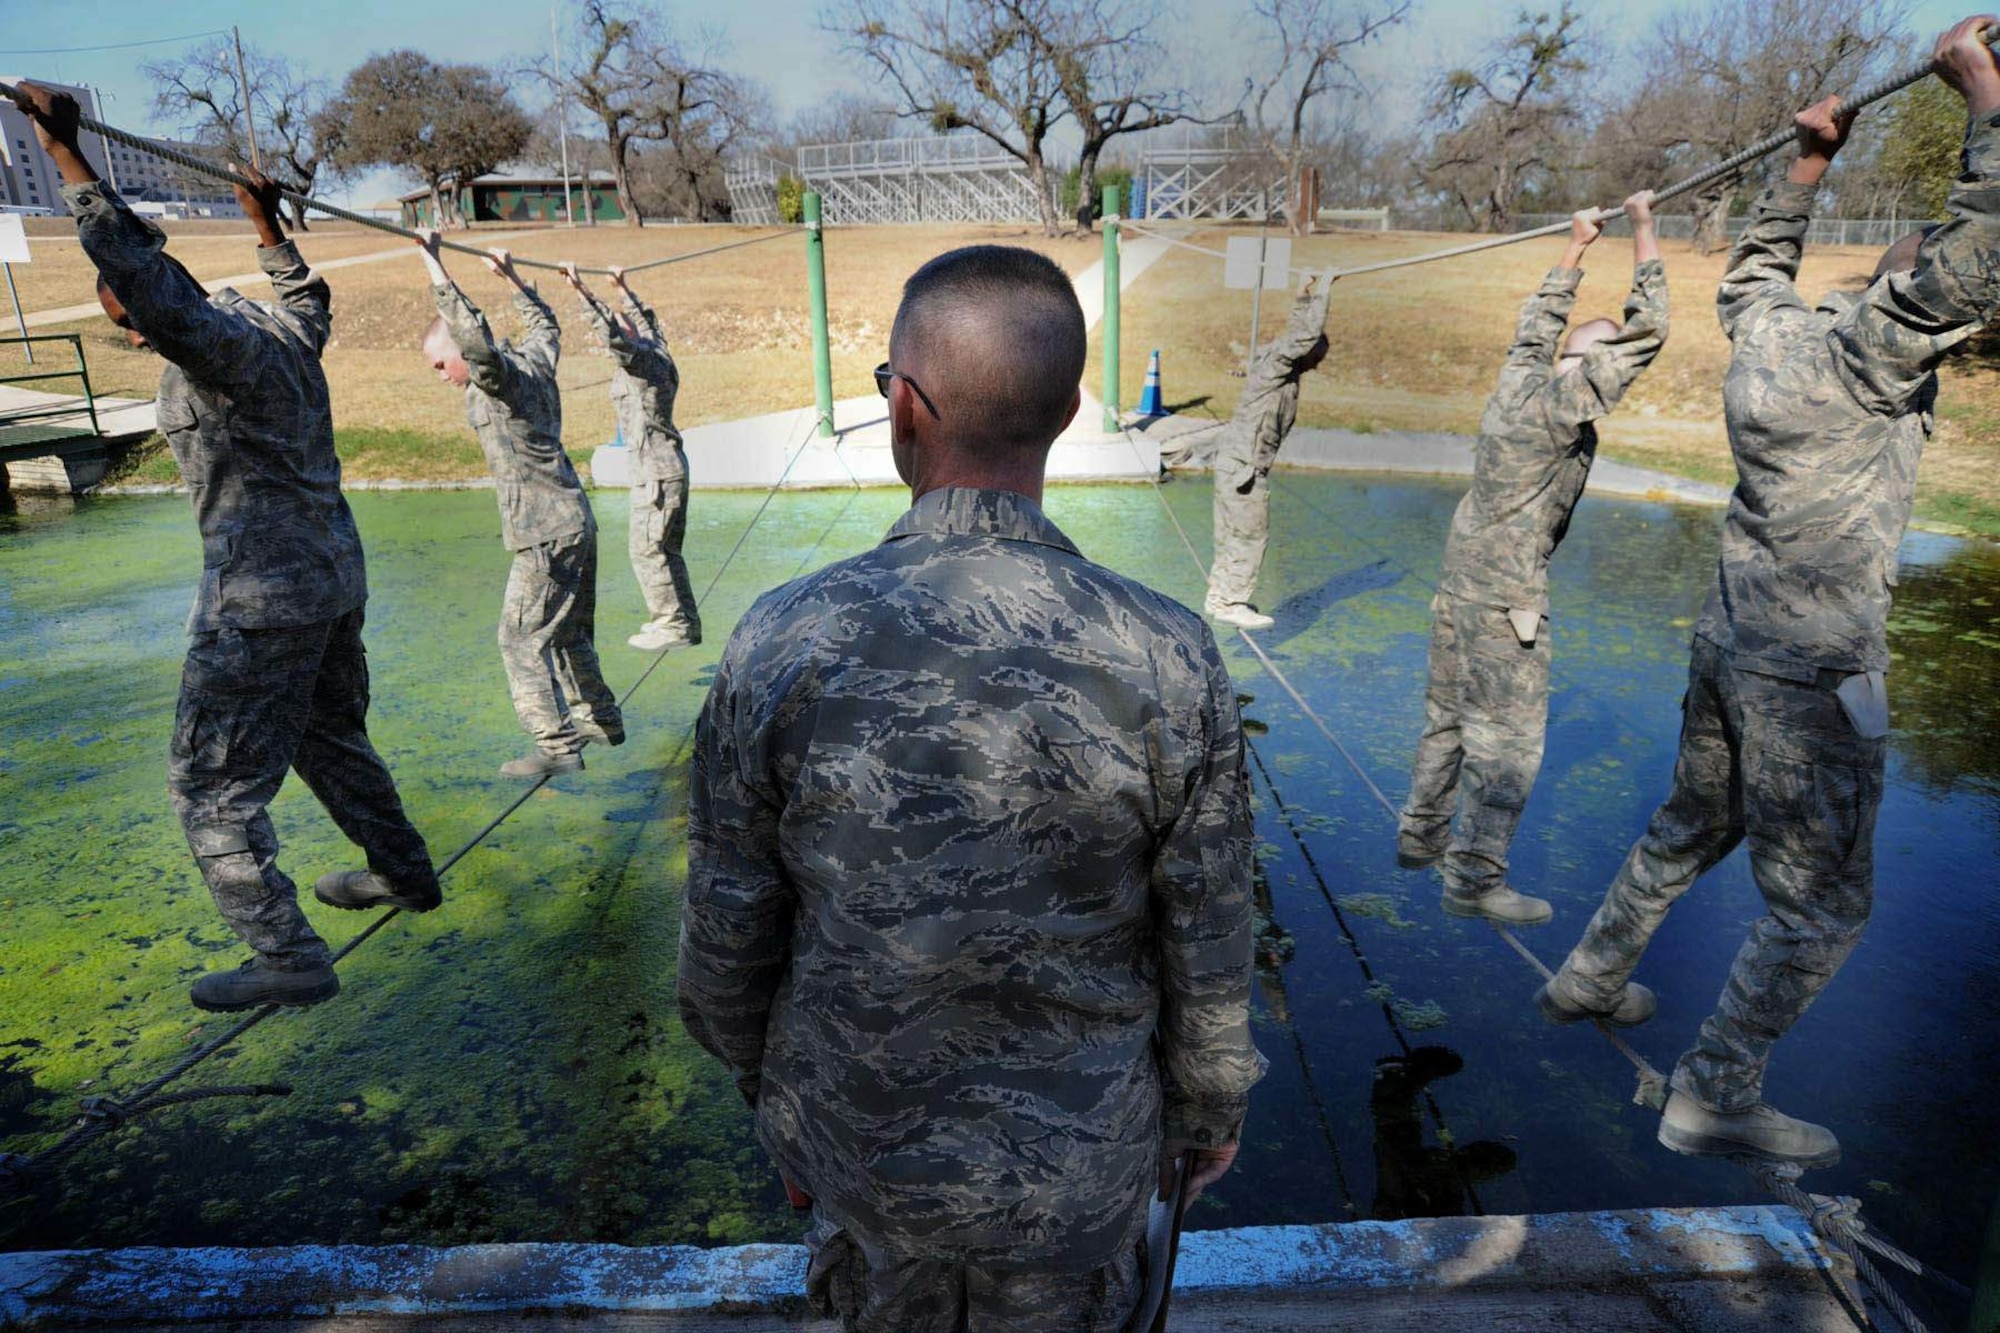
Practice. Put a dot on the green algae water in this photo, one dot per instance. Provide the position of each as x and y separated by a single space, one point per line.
511 1067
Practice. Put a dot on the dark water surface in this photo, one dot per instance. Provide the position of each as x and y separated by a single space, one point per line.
511 1067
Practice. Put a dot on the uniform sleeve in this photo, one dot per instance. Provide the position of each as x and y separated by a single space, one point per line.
643 318
213 345
490 371
1544 315
1765 263
1203 914
1608 369
299 289
736 919
541 337
1303 330
630 355
1890 340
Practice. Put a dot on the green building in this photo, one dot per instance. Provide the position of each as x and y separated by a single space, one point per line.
520 199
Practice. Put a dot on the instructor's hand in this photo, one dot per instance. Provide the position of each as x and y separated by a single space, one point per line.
1205 1165
1965 62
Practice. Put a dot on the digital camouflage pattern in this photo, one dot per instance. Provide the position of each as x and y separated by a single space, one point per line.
253 704
1486 711
1828 408
1487 701
643 388
1249 446
874 1290
515 409
276 678
1827 411
969 903
548 628
1538 438
243 404
1778 762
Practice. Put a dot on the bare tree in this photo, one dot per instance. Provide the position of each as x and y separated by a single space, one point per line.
1108 67
1503 124
1308 42
843 118
199 92
1726 74
970 64
642 84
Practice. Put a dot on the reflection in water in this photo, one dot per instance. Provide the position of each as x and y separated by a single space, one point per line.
1412 1179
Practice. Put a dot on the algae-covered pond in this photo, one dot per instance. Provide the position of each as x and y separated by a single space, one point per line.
511 1066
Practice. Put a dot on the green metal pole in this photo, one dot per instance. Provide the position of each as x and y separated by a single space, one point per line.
1111 413
816 283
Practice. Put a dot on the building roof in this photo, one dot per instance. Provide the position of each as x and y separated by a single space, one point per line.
576 182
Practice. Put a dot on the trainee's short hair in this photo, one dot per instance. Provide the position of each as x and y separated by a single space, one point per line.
1003 324
437 328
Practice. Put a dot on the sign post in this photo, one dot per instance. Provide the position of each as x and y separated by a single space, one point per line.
14 250
1257 263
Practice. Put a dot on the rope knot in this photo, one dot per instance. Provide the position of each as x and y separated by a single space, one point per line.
108 1110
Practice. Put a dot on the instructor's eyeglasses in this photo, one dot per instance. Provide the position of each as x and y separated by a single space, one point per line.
883 378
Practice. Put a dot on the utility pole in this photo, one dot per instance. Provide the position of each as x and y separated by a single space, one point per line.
243 86
562 113
110 167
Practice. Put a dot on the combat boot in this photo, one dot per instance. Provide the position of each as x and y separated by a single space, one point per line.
1763 1131
356 890
1559 1004
257 983
1240 614
654 638
593 731
540 763
1503 904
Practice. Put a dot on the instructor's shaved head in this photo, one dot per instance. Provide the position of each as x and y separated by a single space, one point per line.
994 335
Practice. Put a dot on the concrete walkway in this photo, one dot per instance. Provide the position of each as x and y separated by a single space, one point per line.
1716 1270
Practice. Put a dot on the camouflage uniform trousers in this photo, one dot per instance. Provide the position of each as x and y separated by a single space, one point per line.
1776 761
547 630
659 523
871 1290
1486 712
1242 516
254 703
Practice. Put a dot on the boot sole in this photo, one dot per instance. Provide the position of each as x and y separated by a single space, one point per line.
1458 907
1565 1017
1695 1144
290 1000
388 900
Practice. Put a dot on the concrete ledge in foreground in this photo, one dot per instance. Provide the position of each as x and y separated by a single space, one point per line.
1716 1270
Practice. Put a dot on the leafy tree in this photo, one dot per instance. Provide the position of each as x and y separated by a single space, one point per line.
1923 129
791 199
437 122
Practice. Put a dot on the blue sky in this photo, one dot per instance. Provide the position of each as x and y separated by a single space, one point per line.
779 42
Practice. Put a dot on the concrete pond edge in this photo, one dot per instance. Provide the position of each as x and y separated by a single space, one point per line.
112 1288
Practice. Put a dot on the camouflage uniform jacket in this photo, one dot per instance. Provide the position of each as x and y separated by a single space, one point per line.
243 404
1537 441
516 411
969 908
1828 409
1270 403
642 389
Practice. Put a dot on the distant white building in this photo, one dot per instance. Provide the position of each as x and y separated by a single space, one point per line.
152 185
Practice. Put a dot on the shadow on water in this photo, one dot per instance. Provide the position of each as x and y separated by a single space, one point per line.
512 1066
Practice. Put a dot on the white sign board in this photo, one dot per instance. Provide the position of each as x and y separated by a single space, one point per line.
13 239
1239 269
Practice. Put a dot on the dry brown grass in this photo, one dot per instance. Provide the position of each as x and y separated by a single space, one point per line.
739 322
1417 349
